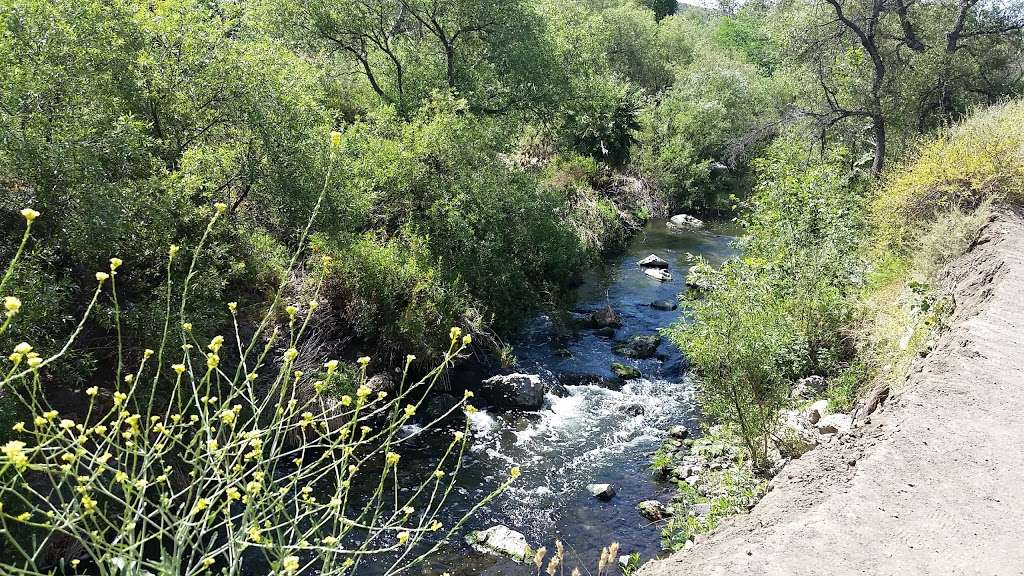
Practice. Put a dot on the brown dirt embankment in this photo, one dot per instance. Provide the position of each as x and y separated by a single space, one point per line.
933 483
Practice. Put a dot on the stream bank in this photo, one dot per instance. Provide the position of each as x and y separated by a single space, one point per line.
931 483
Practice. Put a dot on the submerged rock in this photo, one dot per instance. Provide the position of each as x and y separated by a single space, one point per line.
638 346
601 491
684 222
625 372
653 510
444 406
501 540
633 410
522 391
664 305
555 387
585 379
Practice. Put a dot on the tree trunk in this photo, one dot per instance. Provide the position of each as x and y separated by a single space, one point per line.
878 129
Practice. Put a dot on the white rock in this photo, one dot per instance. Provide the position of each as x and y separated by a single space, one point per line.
653 261
684 221
501 540
817 411
601 491
834 423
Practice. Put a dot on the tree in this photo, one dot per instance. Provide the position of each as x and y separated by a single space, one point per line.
868 55
661 8
492 53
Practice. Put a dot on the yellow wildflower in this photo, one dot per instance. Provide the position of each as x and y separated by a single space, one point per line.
335 139
23 348
392 458
29 214
92 391
102 277
178 368
14 452
220 207
290 564
290 354
115 263
216 343
12 304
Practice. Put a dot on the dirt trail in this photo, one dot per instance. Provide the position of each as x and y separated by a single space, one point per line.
934 483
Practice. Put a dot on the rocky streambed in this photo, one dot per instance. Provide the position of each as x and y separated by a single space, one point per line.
590 398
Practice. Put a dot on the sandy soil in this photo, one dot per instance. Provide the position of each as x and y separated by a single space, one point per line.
933 483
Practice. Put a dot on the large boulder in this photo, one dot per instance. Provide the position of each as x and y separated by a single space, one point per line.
808 387
641 346
383 382
603 492
514 391
653 510
684 222
605 318
834 424
794 437
625 372
501 540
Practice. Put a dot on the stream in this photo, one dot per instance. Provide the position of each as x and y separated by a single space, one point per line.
592 435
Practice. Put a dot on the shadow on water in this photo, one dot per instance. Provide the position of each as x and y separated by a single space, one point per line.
592 435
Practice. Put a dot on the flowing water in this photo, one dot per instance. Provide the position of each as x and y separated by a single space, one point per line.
592 435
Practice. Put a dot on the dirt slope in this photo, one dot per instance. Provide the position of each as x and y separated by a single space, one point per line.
934 483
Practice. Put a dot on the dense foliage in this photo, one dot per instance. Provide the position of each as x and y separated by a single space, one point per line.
777 312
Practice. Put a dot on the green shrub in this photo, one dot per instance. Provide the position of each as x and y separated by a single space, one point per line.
232 467
780 310
980 160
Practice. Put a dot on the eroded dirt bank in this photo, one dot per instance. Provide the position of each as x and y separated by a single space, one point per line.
933 483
